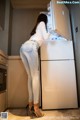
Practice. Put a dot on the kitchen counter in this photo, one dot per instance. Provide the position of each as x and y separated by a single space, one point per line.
14 57
3 54
3 58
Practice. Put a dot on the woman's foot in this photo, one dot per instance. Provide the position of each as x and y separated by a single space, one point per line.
37 111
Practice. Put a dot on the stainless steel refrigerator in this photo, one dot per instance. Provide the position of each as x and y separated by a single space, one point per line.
58 75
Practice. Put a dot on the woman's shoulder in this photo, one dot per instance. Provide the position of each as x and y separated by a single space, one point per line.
42 23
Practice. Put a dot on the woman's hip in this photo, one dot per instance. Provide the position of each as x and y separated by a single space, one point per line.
29 46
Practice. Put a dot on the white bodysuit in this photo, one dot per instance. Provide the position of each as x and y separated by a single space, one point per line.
29 56
41 34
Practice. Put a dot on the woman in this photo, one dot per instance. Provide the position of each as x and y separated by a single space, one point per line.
29 56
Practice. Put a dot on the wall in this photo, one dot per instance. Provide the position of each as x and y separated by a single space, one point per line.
2 13
75 18
4 34
22 23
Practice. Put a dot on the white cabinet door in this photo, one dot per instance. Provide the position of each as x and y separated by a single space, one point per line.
58 84
17 83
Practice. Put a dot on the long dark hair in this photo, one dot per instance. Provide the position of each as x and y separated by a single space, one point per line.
41 17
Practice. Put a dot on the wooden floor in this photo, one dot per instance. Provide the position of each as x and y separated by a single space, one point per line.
21 114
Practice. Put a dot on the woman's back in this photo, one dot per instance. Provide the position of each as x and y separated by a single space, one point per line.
40 34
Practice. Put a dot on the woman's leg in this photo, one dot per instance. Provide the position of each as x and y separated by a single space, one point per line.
26 65
34 68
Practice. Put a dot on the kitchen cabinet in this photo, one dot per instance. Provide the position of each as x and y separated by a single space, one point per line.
3 81
17 83
2 101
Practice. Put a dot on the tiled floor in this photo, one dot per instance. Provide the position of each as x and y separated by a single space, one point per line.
21 114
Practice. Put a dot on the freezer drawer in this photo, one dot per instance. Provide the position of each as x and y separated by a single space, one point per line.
58 85
57 50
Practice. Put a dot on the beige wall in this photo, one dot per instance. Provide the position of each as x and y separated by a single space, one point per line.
75 18
4 34
22 23
17 27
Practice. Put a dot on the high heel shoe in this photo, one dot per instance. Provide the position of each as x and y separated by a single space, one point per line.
30 111
32 108
38 113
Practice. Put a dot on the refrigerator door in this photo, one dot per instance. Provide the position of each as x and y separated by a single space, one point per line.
57 50
58 85
59 16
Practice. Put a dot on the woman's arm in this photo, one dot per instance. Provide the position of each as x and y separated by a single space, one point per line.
44 32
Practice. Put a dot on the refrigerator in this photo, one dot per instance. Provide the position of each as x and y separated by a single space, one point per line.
58 75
